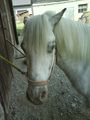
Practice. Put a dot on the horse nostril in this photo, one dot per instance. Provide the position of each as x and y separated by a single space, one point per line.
27 96
44 94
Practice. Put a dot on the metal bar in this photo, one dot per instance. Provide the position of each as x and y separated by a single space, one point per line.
20 57
16 48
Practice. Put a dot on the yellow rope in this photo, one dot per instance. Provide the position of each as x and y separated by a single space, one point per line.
10 63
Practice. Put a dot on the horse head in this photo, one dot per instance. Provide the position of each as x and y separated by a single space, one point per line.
39 47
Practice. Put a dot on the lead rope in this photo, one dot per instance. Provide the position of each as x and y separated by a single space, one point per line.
10 63
34 83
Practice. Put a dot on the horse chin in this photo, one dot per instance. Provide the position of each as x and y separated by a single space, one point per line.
35 101
38 99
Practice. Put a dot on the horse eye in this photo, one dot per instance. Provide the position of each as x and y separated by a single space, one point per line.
50 48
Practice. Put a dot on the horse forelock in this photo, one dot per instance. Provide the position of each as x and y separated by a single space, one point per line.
73 40
36 33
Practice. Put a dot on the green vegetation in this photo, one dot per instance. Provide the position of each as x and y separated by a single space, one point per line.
19 26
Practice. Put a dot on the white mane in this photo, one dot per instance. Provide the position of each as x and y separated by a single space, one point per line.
73 39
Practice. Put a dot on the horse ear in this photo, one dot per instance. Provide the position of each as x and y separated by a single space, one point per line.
56 18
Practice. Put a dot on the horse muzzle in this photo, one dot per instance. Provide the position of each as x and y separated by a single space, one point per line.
37 92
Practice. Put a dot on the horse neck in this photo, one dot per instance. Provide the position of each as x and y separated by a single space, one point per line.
77 73
60 62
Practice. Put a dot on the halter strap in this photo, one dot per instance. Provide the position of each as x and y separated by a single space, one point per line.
38 83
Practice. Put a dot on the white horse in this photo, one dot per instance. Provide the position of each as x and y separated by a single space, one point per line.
48 37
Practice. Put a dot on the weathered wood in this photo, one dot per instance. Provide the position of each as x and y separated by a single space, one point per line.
7 32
